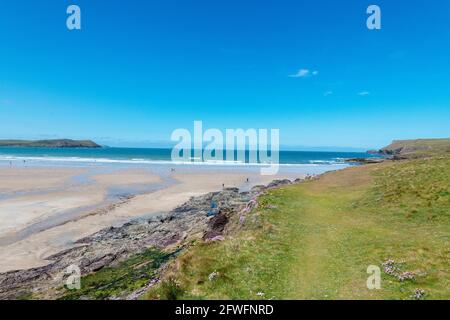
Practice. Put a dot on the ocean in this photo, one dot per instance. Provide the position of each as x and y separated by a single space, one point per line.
158 156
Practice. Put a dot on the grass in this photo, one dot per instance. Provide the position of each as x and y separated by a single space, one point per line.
315 240
416 190
128 276
414 149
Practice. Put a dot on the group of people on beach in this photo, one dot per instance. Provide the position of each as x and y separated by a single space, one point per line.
11 163
247 181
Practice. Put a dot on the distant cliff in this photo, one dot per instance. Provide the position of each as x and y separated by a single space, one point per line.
420 148
61 143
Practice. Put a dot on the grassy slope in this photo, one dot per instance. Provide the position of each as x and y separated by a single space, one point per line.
419 148
120 280
315 240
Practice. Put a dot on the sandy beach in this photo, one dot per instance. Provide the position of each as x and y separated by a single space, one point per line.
44 210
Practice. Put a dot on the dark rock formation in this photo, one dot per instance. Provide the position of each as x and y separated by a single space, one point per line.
278 183
216 226
365 160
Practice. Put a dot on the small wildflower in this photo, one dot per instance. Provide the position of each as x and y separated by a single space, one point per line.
213 275
418 294
389 267
260 294
406 276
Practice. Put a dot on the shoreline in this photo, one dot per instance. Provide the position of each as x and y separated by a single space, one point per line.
74 203
170 231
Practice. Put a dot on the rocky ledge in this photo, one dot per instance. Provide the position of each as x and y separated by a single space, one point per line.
365 160
204 217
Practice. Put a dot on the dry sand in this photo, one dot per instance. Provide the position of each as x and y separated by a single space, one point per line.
22 216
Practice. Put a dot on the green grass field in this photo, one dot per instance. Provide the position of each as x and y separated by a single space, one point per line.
316 239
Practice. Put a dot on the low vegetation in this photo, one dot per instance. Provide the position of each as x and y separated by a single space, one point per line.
316 239
120 280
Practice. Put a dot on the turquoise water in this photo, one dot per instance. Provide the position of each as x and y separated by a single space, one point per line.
156 156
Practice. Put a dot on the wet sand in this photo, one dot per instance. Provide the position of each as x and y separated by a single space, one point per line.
45 210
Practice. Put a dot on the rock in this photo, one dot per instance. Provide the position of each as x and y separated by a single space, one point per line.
234 190
277 183
365 160
216 226
258 189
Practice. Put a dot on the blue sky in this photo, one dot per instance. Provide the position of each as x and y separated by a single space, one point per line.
140 69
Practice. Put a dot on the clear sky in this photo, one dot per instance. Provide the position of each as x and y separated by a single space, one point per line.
140 69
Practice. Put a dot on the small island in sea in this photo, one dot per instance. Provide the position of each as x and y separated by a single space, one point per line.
57 143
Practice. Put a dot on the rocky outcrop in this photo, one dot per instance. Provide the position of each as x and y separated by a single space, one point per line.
365 160
204 217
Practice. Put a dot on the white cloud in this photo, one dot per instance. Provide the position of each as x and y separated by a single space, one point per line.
300 74
364 93
328 93
303 73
